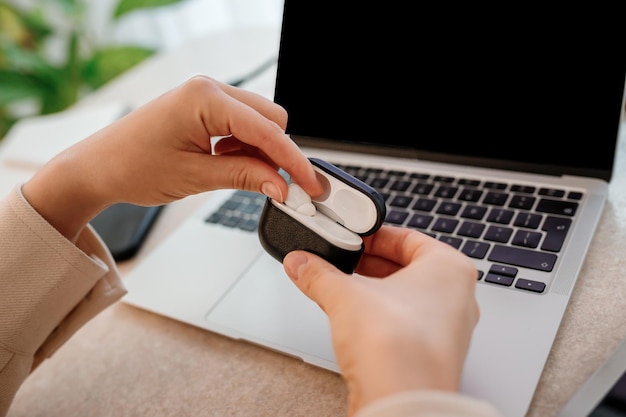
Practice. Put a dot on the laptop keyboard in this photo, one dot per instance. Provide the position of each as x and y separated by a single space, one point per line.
509 226
242 210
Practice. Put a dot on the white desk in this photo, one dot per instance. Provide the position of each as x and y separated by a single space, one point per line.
131 362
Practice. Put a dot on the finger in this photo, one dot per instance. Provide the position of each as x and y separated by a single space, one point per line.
396 244
316 278
253 154
376 266
263 105
230 144
244 122
233 146
236 171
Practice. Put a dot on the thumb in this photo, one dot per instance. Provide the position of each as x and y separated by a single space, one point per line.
316 278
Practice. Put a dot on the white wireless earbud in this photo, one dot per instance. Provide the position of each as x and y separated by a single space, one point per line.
299 200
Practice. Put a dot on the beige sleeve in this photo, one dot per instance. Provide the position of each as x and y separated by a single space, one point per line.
425 403
49 288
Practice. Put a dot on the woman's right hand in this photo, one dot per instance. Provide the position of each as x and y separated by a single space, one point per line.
404 322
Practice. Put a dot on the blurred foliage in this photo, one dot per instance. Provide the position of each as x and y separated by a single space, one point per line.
29 75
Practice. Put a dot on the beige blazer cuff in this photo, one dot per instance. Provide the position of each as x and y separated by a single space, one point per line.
425 403
49 287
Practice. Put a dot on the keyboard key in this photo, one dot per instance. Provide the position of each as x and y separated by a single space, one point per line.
231 221
528 220
498 234
400 185
551 192
215 217
503 270
474 249
424 204
378 183
445 225
470 194
474 212
446 191
575 195
249 225
528 189
495 185
526 238
556 229
374 171
501 216
465 181
396 216
422 189
419 176
448 208
499 279
565 208
495 199
522 202
471 229
420 221
442 178
401 201
534 286
455 242
526 258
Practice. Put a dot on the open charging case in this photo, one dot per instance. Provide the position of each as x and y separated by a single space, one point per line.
347 210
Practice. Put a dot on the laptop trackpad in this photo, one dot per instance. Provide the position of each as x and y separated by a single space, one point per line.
266 308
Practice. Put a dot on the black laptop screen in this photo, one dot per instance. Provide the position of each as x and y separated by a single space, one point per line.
509 93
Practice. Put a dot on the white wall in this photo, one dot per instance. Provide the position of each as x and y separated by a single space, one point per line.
170 26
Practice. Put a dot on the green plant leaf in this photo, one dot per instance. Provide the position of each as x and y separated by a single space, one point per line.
72 8
11 26
60 96
108 63
23 27
127 6
24 60
15 86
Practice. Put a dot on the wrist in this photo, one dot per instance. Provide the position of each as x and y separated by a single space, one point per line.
403 365
61 194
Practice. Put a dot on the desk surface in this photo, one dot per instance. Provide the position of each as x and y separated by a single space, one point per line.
131 362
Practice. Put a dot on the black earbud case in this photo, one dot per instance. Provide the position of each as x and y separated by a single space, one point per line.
347 210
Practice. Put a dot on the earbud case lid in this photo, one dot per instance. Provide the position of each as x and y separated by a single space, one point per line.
347 200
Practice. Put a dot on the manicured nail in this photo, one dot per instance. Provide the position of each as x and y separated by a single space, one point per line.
270 190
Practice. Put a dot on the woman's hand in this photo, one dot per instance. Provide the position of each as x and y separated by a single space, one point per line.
169 149
404 322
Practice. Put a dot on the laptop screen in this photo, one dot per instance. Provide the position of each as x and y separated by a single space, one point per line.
514 93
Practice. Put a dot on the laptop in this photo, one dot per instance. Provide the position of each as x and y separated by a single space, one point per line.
495 136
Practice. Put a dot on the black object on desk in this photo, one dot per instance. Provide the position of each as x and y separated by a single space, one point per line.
124 227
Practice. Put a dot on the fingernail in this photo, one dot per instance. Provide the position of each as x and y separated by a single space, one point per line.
294 264
270 190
